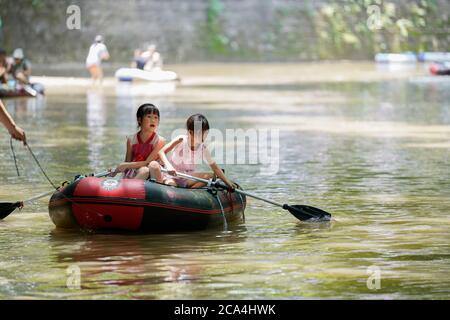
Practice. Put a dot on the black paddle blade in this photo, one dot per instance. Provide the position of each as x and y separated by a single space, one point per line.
7 207
308 213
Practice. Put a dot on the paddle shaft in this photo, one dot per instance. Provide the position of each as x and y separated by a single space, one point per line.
236 190
30 90
39 196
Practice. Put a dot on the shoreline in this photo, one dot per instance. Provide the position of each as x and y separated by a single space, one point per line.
235 74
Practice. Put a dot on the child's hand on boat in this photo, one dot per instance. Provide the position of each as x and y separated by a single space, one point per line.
171 171
230 187
112 173
121 167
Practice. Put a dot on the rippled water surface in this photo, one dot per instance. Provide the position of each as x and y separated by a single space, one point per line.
373 153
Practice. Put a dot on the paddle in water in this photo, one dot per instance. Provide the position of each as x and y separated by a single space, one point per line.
6 208
301 212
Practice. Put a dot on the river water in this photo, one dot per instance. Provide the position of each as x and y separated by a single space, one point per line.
371 150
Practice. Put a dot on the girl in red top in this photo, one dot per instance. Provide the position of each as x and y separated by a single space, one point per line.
142 147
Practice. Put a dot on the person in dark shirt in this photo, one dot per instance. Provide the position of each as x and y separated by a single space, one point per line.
21 67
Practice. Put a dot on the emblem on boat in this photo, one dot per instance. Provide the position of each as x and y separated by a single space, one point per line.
110 184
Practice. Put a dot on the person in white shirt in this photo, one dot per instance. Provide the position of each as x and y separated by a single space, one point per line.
152 58
97 53
148 60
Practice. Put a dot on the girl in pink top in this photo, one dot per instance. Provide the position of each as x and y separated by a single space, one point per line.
143 146
188 151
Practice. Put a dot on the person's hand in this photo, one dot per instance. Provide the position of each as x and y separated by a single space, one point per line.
171 171
112 173
18 134
231 187
121 168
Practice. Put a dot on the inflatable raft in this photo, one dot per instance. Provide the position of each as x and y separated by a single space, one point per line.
31 90
156 75
433 56
406 57
142 206
440 69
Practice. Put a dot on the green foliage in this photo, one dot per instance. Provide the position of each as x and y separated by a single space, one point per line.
344 29
37 4
352 28
216 39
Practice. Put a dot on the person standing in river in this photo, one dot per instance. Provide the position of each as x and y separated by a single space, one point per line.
15 131
97 53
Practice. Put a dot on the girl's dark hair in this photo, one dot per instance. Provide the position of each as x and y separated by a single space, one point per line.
144 109
194 122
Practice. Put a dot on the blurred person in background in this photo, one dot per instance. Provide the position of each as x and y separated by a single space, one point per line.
5 67
97 53
20 67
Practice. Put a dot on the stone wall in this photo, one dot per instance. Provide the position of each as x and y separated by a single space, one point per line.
225 30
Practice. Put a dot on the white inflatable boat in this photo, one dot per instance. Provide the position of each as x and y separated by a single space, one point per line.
156 75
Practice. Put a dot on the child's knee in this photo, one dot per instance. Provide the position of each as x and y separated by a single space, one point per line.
143 170
170 182
154 166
